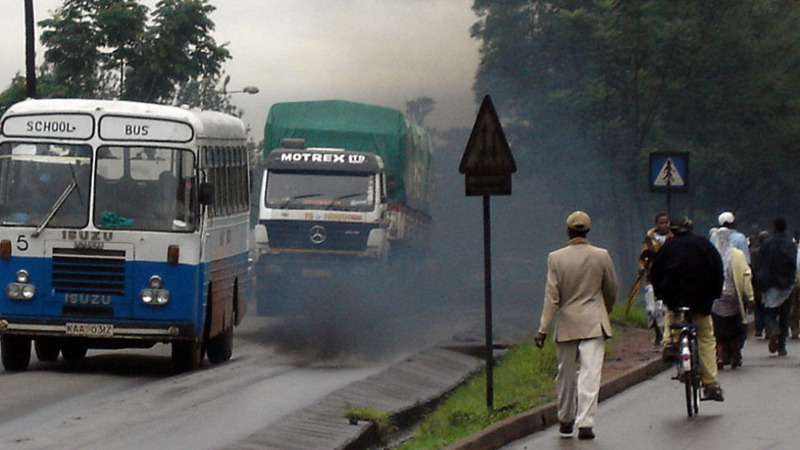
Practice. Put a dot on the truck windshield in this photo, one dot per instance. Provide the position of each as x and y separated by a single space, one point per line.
324 191
34 176
145 188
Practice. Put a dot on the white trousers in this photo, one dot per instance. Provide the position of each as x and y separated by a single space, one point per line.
578 391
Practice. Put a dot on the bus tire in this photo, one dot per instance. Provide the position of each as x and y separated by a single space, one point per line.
220 347
16 352
47 349
73 350
187 355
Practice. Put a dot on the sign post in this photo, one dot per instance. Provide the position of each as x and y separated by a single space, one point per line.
487 164
669 172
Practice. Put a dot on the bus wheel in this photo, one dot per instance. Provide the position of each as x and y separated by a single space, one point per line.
16 352
46 349
220 347
73 350
187 355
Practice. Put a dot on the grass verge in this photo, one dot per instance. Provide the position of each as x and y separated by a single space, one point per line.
524 378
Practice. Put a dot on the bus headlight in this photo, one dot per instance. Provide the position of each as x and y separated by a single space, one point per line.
155 295
21 289
22 276
28 291
13 290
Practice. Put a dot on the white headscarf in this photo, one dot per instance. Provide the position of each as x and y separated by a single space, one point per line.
724 247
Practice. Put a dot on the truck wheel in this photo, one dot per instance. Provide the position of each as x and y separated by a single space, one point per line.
187 355
220 347
73 350
46 349
16 352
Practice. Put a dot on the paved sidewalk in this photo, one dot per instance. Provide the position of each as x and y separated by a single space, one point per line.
760 402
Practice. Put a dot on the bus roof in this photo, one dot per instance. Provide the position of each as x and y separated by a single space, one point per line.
204 123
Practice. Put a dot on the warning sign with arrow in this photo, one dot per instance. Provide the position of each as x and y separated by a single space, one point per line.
669 171
487 161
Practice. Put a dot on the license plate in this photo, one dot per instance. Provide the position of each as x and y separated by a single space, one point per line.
90 329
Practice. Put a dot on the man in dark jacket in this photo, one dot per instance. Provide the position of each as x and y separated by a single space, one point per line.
687 272
775 276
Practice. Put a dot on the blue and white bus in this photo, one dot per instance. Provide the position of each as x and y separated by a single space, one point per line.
122 225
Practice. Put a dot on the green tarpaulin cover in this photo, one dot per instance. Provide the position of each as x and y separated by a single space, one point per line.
405 147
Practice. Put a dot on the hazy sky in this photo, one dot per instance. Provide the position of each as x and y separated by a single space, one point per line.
375 51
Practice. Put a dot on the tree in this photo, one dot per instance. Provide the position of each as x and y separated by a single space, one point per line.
176 50
419 108
591 87
106 49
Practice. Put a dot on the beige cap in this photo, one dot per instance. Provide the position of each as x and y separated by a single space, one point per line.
579 221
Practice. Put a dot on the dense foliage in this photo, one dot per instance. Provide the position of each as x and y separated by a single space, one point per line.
109 49
590 87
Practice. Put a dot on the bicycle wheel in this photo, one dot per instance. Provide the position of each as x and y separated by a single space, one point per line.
694 346
689 386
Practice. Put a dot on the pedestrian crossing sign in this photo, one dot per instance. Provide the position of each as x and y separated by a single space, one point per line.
669 171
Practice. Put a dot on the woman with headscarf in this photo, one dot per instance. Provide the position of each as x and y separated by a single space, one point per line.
728 311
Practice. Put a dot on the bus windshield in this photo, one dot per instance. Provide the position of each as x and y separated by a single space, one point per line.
145 188
33 177
304 190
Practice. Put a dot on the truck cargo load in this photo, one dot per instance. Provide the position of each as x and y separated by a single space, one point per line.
405 147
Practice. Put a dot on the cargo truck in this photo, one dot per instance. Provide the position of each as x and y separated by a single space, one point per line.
346 190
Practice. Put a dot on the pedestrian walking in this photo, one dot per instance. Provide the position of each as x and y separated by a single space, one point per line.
775 277
581 290
758 305
794 300
728 311
687 272
654 307
739 240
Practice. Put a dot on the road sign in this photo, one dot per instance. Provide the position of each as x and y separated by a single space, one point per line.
487 161
669 172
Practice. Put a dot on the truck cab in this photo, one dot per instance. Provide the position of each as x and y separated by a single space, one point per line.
325 202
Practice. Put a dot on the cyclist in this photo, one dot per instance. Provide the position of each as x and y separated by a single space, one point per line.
687 272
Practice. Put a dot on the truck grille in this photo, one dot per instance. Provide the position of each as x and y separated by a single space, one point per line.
88 271
297 235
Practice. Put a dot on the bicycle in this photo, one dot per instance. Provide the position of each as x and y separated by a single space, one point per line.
687 361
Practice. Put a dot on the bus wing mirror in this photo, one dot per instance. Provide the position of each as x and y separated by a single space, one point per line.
206 192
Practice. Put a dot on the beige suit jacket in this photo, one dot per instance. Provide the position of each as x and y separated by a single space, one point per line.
581 290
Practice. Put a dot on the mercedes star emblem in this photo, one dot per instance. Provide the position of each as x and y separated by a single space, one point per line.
317 234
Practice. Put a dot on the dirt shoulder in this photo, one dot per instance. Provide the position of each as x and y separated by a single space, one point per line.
630 347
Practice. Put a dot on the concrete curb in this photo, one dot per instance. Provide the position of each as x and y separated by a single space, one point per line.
536 419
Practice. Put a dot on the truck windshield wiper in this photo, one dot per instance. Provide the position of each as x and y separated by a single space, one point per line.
342 197
297 197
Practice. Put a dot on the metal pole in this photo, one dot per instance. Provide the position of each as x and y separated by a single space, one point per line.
487 269
669 197
30 52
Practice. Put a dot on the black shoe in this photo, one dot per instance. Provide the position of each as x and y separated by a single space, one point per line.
772 345
585 433
782 352
713 393
565 429
670 354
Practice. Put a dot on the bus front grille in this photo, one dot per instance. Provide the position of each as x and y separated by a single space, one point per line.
88 271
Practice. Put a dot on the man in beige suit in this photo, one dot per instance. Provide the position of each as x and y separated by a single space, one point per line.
580 292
